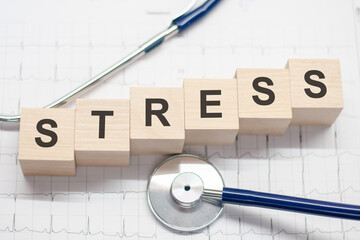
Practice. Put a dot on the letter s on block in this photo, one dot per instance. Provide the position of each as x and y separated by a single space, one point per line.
40 128
266 91
315 83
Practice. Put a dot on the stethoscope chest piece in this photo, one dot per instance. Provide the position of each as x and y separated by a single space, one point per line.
187 193
175 190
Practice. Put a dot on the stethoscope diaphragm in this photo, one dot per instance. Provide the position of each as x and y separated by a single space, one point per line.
174 192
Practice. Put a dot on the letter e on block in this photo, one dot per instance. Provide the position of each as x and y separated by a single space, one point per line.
210 111
157 120
316 91
46 141
102 132
264 101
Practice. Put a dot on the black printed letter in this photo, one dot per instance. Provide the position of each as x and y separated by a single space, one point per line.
205 103
102 115
159 113
40 129
267 91
315 83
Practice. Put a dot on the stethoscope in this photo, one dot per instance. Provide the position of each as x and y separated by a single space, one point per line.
196 10
187 193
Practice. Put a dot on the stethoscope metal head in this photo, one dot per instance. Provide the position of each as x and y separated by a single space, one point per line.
175 192
187 189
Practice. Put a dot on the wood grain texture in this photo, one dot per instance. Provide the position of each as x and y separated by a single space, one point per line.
211 131
111 149
157 138
256 116
56 160
315 111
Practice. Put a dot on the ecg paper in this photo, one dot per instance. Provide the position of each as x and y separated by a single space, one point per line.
49 47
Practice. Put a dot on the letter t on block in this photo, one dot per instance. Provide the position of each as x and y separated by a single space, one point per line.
211 111
102 132
316 91
46 141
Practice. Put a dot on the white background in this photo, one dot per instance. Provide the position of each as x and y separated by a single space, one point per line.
49 47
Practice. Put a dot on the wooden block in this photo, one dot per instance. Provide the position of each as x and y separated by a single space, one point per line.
102 132
264 101
210 111
316 91
46 141
157 120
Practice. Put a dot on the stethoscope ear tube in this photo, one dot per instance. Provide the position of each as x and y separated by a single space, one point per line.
288 203
178 24
189 18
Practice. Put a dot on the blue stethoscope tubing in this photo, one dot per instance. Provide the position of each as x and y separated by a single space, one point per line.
288 203
188 19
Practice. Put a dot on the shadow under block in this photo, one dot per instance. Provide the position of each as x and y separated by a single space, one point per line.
316 91
46 141
156 120
102 132
211 111
264 101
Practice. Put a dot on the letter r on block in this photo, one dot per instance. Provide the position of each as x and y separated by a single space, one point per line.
157 120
